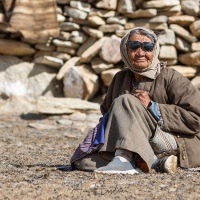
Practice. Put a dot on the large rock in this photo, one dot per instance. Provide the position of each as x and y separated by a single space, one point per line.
182 45
49 61
19 78
78 37
106 4
108 75
170 11
80 5
80 82
68 50
62 56
117 20
167 37
182 20
70 63
99 65
185 71
142 13
61 43
168 52
61 18
160 3
195 28
159 19
110 50
51 105
182 32
146 24
110 28
69 26
196 82
92 51
17 105
96 20
12 47
93 32
190 7
190 58
102 13
126 6
75 13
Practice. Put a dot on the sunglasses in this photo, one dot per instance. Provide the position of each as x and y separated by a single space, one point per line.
146 46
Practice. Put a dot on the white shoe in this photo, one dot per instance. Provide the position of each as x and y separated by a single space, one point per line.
116 166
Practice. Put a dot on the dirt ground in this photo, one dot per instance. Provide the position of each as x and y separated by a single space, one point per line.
34 149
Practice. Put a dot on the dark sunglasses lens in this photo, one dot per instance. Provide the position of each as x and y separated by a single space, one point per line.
134 45
148 46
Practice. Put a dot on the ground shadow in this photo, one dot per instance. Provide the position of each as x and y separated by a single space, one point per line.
34 116
58 167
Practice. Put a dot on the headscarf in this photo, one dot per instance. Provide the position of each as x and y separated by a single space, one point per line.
151 71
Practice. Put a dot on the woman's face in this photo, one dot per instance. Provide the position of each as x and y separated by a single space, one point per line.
139 58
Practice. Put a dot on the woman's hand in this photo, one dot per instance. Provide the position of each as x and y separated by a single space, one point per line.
143 96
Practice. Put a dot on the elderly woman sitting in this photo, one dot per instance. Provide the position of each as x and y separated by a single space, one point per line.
152 116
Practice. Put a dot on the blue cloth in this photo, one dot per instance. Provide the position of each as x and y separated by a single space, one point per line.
99 139
154 109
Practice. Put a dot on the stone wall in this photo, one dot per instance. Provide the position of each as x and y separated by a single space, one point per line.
86 53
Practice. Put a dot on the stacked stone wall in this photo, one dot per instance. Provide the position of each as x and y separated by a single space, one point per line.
86 51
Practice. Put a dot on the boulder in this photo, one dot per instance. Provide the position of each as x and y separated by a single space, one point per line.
52 105
190 58
75 13
92 51
99 65
126 6
80 82
195 28
70 63
49 61
110 50
188 72
17 105
196 82
13 47
107 4
182 32
19 78
182 45
107 76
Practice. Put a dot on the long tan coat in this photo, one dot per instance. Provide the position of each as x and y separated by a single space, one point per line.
179 103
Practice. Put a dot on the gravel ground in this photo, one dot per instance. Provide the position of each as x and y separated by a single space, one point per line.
34 149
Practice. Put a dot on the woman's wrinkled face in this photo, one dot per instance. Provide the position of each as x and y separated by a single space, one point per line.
139 58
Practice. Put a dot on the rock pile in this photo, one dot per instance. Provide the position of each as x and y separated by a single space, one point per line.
85 55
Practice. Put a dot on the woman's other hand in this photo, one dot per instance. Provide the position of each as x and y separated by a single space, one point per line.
143 96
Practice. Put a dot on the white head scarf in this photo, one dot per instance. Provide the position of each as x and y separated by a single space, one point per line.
151 71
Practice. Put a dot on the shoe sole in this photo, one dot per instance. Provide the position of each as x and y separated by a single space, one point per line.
171 164
132 171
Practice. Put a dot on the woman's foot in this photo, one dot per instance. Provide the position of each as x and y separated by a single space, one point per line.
166 164
119 166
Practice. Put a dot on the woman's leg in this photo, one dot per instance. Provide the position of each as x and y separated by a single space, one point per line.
129 127
93 161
